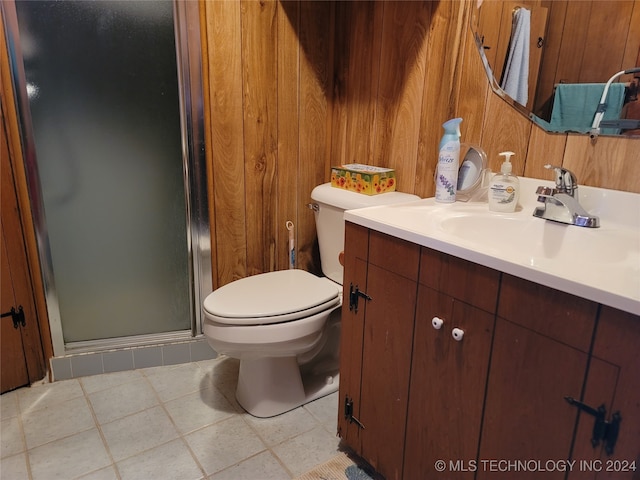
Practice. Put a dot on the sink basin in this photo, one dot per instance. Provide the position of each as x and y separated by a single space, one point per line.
542 241
601 264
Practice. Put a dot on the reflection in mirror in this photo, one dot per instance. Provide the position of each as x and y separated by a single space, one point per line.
552 60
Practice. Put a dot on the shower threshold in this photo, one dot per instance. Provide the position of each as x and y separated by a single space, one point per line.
129 353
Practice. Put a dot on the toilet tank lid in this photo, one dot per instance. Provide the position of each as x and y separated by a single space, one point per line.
347 200
271 294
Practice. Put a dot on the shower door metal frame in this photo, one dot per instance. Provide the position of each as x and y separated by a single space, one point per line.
189 68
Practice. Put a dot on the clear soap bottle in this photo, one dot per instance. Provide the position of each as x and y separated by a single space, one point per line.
504 188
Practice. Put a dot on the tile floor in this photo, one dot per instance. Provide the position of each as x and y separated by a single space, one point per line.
177 422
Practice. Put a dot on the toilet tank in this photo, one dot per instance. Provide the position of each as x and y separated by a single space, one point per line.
329 204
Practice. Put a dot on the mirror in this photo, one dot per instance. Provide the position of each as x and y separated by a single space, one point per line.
473 174
573 49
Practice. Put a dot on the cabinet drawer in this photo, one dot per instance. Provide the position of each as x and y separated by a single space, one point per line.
393 254
469 282
564 317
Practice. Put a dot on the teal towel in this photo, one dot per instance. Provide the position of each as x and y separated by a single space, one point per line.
575 104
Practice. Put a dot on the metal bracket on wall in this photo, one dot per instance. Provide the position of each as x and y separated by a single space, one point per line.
16 315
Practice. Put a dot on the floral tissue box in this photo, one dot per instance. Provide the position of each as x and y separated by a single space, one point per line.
366 179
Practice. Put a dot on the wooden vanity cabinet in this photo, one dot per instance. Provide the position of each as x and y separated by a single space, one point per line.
448 376
376 345
540 355
613 382
412 394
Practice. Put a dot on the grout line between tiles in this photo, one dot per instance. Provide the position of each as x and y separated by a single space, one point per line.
222 387
23 437
100 432
180 435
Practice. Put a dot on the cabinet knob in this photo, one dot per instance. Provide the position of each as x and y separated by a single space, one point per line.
457 334
437 322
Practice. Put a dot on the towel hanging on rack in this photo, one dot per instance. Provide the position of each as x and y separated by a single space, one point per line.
515 79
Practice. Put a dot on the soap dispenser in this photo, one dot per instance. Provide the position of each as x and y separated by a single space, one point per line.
504 188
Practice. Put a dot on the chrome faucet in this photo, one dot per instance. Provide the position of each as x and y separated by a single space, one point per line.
560 204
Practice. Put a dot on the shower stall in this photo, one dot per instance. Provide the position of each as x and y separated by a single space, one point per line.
109 98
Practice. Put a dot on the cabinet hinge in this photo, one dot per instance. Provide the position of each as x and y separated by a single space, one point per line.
348 412
16 315
354 295
605 431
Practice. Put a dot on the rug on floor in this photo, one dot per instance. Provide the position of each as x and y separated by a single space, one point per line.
340 467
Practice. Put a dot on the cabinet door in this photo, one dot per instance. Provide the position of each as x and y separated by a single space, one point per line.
613 381
351 334
392 284
448 380
526 416
386 366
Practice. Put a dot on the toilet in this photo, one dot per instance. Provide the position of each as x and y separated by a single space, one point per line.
284 326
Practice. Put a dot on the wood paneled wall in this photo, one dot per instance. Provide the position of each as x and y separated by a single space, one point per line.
296 87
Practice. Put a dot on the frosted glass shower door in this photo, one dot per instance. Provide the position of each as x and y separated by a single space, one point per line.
103 95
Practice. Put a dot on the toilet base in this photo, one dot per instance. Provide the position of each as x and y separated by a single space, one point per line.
271 386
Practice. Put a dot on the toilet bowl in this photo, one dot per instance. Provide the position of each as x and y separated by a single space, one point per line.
275 323
284 326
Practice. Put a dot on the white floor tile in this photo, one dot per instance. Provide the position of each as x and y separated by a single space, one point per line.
122 400
11 438
8 405
95 383
136 433
69 457
276 430
57 421
263 466
171 460
108 473
39 396
302 453
199 409
176 381
224 375
166 423
14 467
325 411
224 444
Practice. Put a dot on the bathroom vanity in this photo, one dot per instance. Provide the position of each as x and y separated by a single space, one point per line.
456 363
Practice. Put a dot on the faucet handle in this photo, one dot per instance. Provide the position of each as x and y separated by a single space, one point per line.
566 181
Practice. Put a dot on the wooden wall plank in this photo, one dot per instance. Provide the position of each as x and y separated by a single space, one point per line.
208 138
543 147
608 25
632 46
227 148
509 130
316 77
609 163
445 48
363 36
259 82
400 92
344 22
473 93
288 207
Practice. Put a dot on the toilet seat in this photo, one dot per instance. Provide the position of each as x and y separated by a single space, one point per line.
272 297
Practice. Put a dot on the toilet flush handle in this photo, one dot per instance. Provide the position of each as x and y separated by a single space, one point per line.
313 206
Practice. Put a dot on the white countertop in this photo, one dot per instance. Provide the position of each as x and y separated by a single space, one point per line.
600 264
